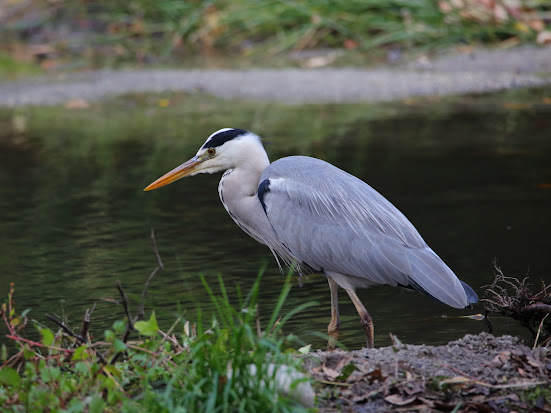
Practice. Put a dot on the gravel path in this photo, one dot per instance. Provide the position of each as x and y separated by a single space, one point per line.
477 72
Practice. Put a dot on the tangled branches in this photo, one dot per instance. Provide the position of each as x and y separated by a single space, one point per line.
514 298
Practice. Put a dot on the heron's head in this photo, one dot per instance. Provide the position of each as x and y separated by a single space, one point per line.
224 149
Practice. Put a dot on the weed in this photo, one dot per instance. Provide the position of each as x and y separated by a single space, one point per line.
151 31
225 364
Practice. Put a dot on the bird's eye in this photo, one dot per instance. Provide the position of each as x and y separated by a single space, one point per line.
211 151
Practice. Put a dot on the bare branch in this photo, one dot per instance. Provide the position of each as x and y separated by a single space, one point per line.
66 329
141 311
513 298
125 306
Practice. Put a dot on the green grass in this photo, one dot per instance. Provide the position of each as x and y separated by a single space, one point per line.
12 69
171 30
222 364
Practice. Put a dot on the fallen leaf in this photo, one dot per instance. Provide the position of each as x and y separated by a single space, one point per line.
163 103
375 375
318 61
330 373
456 380
398 400
350 44
76 104
305 349
530 360
544 37
536 24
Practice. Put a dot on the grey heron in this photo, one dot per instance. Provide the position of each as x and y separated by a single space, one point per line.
311 213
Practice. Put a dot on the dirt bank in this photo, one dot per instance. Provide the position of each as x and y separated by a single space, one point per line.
478 373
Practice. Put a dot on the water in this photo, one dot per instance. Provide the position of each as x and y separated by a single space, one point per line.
472 175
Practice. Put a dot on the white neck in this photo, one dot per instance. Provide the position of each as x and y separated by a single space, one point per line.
250 161
238 192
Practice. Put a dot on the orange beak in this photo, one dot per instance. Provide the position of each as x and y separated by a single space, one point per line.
185 169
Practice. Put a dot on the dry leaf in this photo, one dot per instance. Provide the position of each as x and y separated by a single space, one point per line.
456 380
76 104
398 400
375 375
544 37
330 373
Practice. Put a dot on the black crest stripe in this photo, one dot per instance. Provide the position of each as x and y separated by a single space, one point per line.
222 137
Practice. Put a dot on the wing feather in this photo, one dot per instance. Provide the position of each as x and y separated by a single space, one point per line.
332 221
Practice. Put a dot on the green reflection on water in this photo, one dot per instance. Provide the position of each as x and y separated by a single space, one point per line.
470 174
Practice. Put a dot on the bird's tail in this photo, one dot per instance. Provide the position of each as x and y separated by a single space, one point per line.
471 295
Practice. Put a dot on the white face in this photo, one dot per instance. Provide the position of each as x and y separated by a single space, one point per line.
228 148
227 155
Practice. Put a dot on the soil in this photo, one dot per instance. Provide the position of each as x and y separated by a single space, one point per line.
478 373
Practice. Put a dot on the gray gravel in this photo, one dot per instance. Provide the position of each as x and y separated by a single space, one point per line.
478 72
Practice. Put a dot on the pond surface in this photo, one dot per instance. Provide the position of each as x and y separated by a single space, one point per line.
473 175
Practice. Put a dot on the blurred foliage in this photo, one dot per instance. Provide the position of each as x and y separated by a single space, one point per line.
55 33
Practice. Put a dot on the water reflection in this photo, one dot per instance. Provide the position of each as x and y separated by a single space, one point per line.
75 219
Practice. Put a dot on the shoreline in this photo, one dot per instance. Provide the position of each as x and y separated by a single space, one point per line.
480 71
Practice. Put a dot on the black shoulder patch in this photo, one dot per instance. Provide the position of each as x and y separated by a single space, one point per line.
222 137
263 189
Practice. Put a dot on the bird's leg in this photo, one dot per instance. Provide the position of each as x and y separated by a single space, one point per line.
335 324
364 315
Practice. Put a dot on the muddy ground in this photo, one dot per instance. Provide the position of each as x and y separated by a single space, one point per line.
478 373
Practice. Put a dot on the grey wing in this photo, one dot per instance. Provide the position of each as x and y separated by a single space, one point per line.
332 221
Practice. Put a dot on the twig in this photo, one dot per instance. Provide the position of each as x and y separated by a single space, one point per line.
140 314
166 336
275 325
66 329
104 371
125 306
129 325
472 378
381 389
539 331
86 322
13 360
160 266
144 350
37 344
257 320
510 386
334 383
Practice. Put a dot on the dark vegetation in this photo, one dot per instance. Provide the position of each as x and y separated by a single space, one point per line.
73 34
226 364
